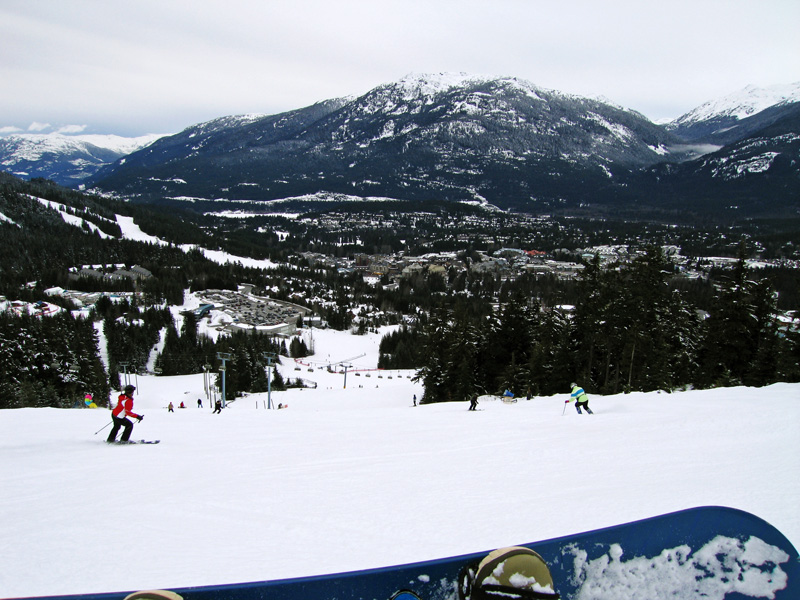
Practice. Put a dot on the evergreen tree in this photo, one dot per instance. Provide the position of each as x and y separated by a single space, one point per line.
298 348
741 339
434 358
49 361
551 364
632 330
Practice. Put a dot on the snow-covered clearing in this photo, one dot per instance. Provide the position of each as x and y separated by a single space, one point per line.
356 477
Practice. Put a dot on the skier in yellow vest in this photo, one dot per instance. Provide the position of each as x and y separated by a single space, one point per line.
581 399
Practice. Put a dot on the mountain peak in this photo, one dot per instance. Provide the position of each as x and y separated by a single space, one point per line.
428 85
744 103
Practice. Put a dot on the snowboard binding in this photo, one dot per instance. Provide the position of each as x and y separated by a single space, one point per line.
507 573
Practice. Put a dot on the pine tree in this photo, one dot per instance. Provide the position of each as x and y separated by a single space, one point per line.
552 362
740 341
434 357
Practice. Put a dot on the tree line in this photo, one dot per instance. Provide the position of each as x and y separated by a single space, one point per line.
634 326
630 329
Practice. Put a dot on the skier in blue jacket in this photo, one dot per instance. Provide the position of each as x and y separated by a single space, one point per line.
581 399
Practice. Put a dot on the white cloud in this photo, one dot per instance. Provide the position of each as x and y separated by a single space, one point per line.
8 129
38 127
70 129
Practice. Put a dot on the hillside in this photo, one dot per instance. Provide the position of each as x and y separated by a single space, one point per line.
443 138
502 141
66 159
353 478
755 175
732 117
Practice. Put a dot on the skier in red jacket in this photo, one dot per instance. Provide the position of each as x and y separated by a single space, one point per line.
120 414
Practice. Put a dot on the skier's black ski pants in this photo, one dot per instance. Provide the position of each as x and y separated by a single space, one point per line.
126 424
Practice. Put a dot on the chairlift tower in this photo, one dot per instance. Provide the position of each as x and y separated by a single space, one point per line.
223 356
346 365
269 357
125 366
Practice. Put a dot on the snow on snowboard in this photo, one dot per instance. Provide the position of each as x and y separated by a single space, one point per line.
709 553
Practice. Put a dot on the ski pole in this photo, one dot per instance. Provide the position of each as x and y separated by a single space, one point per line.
563 412
103 427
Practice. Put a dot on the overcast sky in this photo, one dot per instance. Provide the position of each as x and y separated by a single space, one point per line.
133 67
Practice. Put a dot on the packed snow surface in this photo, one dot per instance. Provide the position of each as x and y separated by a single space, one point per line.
723 565
356 477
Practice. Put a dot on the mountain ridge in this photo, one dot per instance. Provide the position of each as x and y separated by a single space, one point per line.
499 141
66 159
464 138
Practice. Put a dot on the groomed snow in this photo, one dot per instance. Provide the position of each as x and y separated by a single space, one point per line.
356 477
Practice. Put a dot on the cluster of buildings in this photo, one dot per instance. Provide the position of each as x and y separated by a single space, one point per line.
504 262
241 310
83 300
110 273
512 262
37 309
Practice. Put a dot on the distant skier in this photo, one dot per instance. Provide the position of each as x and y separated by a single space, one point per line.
199 403
218 407
120 414
473 402
89 401
170 407
581 399
508 396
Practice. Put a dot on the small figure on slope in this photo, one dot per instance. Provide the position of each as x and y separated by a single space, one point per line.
120 414
89 401
581 399
170 407
473 402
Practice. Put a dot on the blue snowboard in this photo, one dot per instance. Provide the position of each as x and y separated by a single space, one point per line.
708 553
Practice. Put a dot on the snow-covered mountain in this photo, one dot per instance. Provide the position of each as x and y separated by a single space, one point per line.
758 174
501 142
732 117
66 159
453 137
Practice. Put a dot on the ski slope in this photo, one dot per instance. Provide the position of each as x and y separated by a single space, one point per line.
356 477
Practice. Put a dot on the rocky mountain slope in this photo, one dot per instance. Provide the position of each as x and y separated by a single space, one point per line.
501 141
758 175
453 137
66 159
735 116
